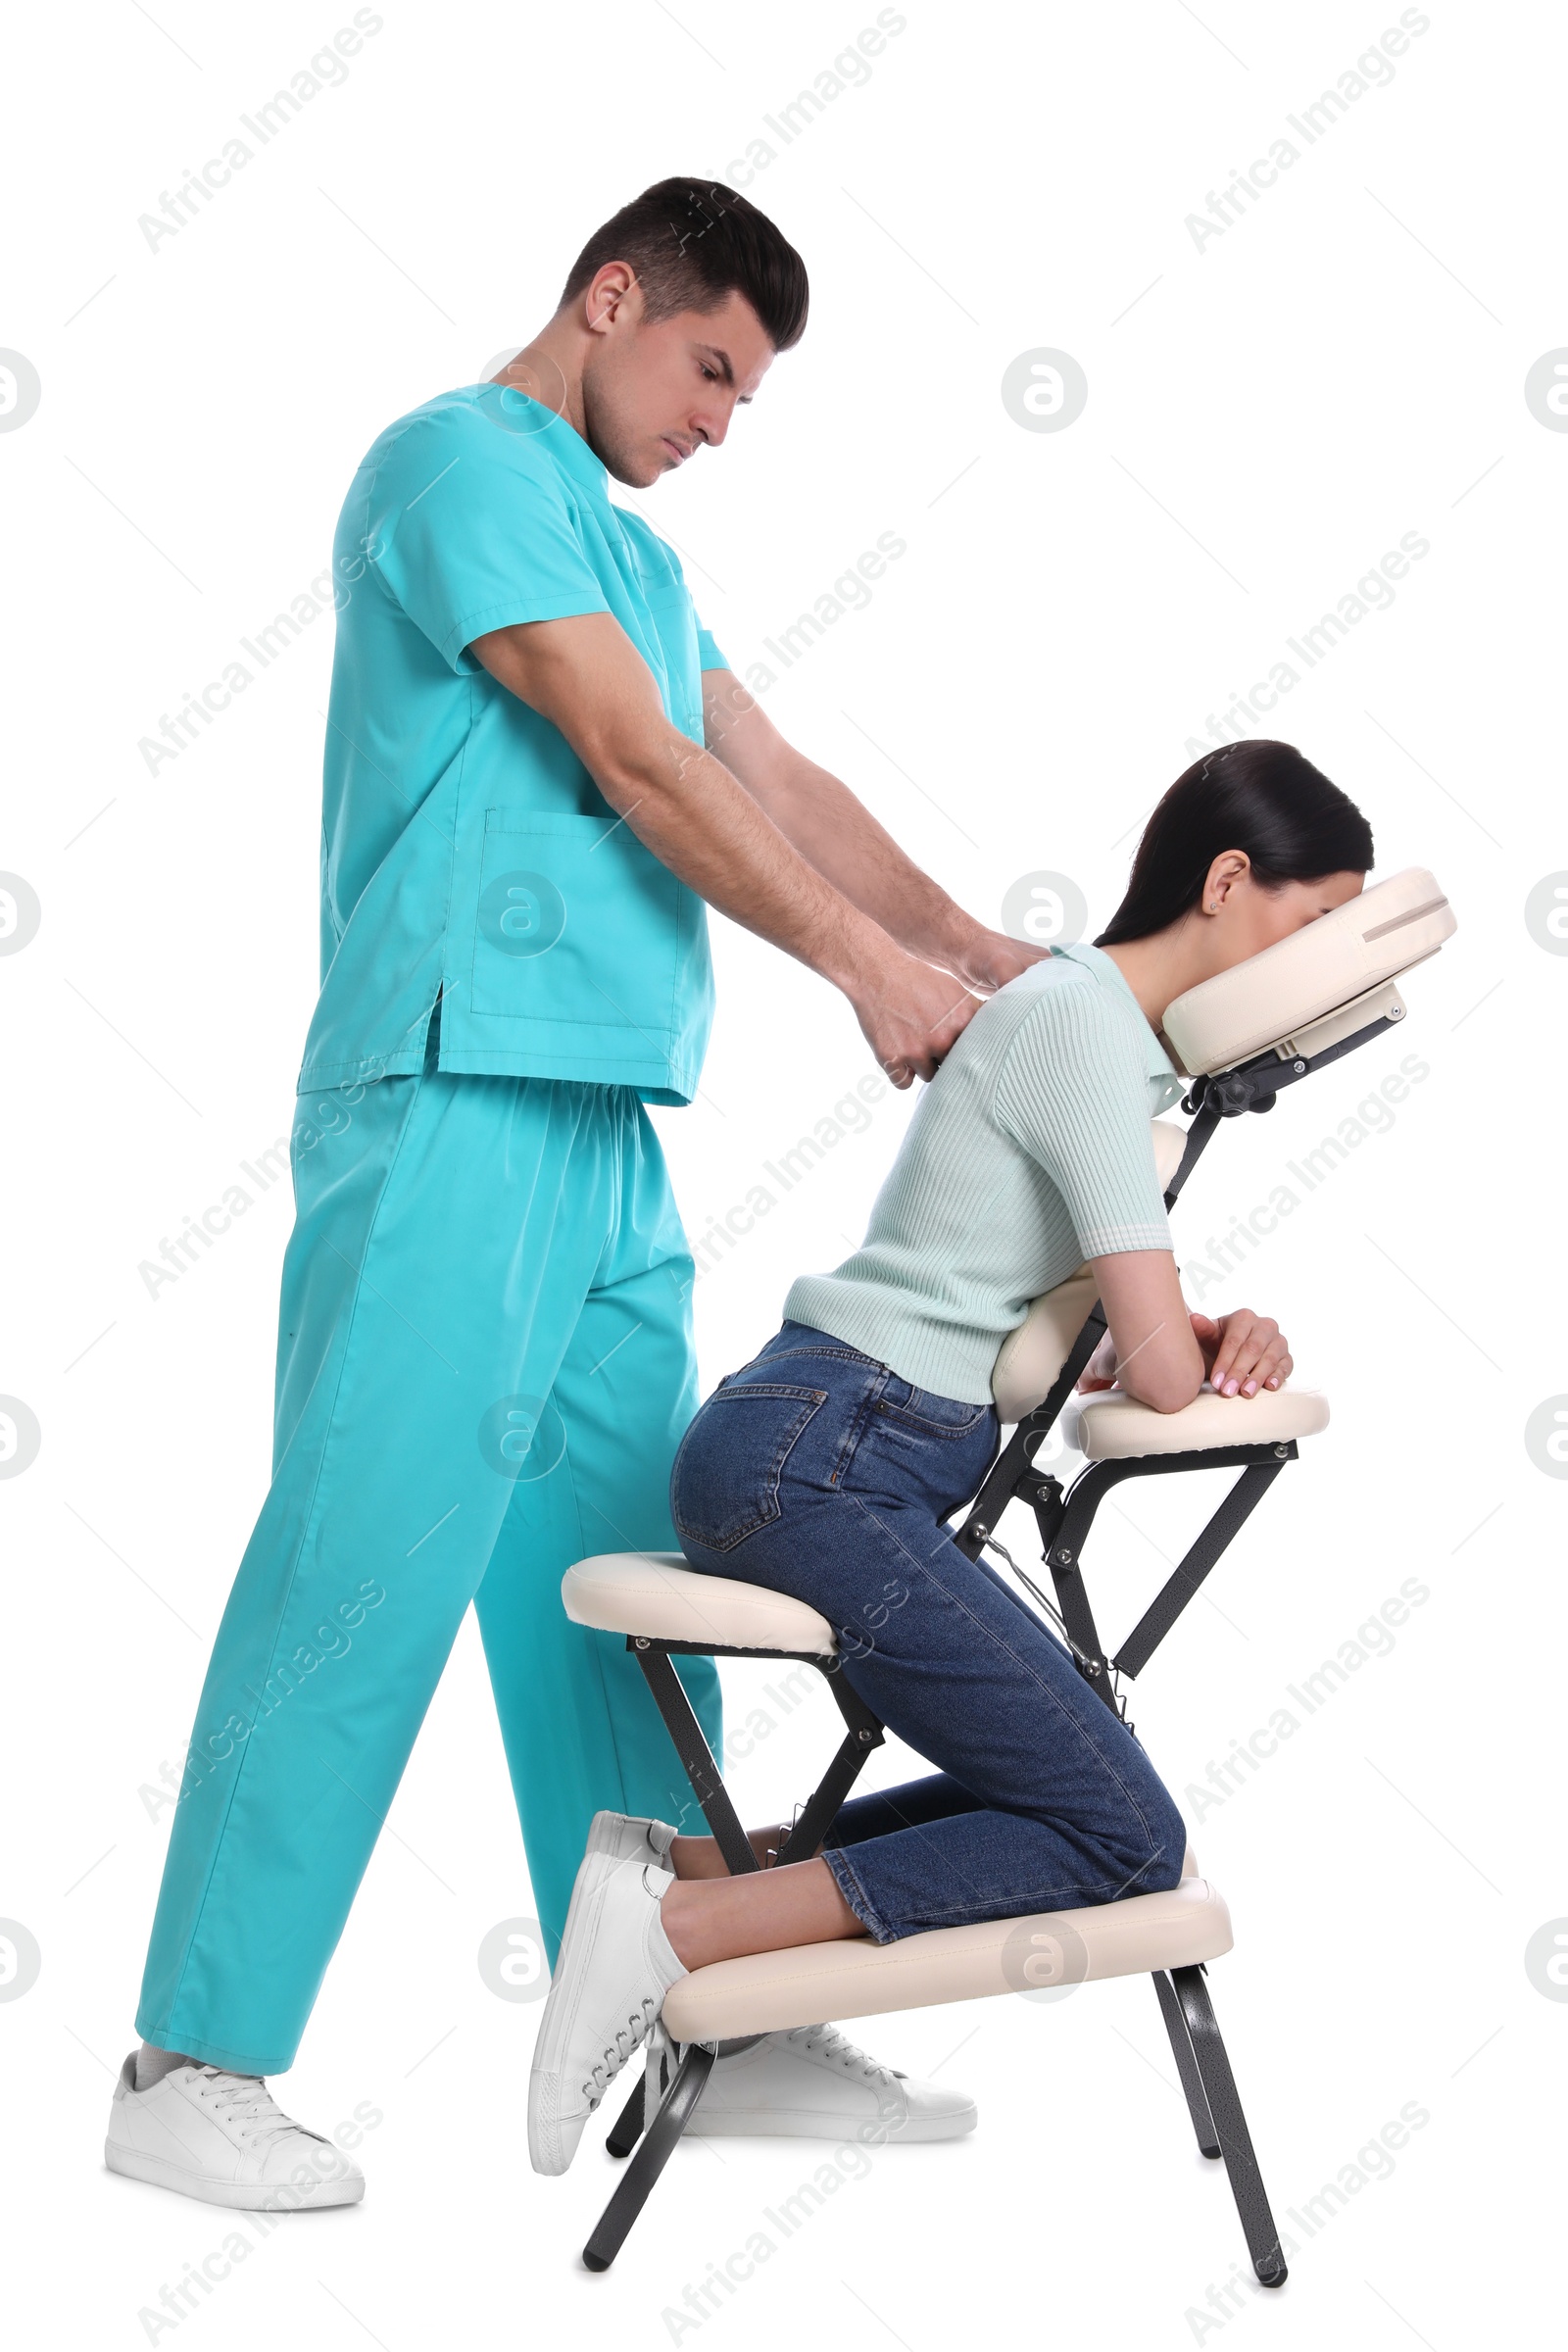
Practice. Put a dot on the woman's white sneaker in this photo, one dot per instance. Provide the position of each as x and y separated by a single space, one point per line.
623 1834
223 2138
812 2084
615 1967
815 2083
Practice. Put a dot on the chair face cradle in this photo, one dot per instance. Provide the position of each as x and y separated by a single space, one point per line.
1241 1039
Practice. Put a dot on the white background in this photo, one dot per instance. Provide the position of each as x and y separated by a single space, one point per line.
1266 416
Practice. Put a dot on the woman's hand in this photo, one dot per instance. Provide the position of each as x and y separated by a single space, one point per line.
1243 1352
1100 1370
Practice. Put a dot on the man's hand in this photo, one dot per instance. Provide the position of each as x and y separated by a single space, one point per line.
989 960
1243 1352
910 1013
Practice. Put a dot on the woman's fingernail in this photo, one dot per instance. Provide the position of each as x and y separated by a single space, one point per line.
1272 1382
1250 1388
1230 1388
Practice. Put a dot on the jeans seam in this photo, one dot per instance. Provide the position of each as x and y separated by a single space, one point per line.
935 1914
849 1355
852 1889
869 1400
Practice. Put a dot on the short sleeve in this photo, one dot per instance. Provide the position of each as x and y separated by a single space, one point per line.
709 656
1073 1093
472 529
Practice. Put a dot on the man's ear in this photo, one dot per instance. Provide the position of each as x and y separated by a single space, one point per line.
604 297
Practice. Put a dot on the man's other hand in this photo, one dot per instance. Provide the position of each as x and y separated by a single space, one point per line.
989 960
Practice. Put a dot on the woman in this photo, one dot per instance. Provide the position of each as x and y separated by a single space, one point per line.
829 1467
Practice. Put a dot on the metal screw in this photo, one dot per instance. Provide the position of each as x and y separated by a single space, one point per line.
1282 1453
1299 1068
641 1642
1065 1556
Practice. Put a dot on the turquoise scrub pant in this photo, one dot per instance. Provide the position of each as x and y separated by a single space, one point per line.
484 1368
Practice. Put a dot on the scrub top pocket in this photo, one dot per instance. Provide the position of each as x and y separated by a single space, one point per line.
576 921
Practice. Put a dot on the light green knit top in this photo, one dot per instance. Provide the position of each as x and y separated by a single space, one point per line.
1029 1153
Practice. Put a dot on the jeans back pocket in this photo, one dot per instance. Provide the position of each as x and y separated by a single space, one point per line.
724 1484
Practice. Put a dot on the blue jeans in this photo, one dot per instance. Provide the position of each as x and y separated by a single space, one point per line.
818 1473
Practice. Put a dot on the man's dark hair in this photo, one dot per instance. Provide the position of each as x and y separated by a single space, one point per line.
693 242
1260 796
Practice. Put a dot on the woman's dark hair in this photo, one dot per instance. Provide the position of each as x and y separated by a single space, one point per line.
1263 798
692 243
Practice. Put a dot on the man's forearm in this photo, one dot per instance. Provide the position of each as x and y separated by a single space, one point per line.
837 834
833 830
686 806
689 811
679 801
582 674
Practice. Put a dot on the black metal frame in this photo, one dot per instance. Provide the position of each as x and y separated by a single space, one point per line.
678 2075
861 1734
1064 1517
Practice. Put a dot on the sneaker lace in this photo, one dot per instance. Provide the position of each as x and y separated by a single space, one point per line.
629 2037
245 2101
839 2051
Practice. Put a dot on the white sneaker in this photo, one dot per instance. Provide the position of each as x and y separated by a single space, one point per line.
815 2085
812 2084
223 2138
614 1969
623 1834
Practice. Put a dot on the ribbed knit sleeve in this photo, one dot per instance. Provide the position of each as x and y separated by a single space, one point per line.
1073 1093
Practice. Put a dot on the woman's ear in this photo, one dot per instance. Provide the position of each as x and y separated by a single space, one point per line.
1230 867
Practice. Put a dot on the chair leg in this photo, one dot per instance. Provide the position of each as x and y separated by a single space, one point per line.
1230 2126
627 2128
1181 2043
608 2233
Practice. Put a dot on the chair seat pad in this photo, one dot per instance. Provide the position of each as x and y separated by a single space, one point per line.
1112 1425
656 1594
769 1992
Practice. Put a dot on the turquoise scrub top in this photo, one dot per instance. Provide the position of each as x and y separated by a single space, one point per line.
466 850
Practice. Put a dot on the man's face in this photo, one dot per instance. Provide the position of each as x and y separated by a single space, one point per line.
655 392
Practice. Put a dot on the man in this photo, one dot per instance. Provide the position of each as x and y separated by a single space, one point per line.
485 1359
